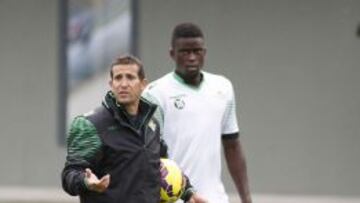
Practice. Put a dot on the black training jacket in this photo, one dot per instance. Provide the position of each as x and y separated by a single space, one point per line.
107 142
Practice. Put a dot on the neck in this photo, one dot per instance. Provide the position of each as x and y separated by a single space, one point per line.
132 109
193 81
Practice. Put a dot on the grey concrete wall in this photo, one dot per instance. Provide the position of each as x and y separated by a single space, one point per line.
295 67
29 153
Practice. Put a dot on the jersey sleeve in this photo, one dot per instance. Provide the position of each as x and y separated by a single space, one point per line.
83 147
229 122
83 141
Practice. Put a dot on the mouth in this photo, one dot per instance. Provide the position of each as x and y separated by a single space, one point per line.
192 68
123 93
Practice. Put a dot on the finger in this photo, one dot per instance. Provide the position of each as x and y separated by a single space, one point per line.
105 180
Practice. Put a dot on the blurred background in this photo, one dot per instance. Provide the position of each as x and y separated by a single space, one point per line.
295 66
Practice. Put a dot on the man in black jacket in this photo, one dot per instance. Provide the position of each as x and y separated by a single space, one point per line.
114 151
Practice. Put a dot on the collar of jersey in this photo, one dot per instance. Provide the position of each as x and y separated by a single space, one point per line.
182 82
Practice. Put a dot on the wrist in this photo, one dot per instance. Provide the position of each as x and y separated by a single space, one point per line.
246 200
86 183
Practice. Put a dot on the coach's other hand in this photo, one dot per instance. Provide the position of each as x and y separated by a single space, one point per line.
195 198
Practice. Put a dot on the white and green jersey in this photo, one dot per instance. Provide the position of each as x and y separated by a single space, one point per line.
193 121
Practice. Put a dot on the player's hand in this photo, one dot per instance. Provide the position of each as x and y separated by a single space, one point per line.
196 198
93 183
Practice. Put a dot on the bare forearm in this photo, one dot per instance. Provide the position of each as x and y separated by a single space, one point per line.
237 167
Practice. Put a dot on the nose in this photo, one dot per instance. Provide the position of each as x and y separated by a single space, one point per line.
192 56
124 83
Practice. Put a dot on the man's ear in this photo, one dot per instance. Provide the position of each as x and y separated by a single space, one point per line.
144 82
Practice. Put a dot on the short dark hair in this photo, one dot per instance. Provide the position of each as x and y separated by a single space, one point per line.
128 60
186 30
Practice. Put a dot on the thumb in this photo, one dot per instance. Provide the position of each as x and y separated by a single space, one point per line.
88 173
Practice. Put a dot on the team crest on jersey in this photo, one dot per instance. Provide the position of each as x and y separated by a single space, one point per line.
152 125
179 103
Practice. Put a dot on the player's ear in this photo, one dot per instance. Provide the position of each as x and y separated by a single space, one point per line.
172 52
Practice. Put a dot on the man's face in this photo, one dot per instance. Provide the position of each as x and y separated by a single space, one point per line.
188 54
126 84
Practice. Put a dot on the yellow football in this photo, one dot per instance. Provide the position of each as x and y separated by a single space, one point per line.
172 182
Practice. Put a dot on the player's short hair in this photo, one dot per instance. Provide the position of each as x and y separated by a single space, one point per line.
128 60
186 30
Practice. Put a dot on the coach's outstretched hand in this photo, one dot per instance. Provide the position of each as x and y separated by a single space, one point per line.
93 183
195 198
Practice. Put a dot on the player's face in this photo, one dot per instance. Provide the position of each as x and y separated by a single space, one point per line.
126 84
188 54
